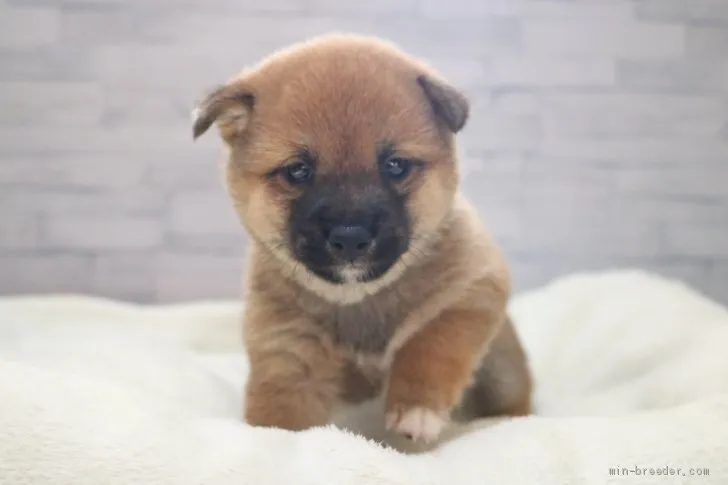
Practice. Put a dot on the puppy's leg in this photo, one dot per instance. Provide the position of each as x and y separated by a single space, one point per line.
432 370
502 384
295 375
282 392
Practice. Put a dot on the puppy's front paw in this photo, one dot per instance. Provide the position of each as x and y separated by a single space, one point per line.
416 423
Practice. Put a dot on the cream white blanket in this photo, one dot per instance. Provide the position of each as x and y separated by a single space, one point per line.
632 387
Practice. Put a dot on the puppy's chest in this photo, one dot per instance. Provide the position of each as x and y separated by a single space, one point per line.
366 327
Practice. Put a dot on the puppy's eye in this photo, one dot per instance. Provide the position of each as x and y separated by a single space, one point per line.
396 169
298 173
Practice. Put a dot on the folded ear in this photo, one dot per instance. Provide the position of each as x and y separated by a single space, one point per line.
449 104
229 106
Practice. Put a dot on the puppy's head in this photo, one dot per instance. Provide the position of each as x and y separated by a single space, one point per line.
342 157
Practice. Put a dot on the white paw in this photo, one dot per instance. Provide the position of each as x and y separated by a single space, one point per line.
416 423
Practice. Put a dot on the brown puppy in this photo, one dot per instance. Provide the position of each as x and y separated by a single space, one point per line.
368 271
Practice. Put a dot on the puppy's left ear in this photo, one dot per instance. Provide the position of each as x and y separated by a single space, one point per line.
229 106
450 105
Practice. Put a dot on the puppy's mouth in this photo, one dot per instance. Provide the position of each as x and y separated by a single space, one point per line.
338 271
352 273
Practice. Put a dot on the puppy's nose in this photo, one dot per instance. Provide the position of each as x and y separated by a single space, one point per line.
349 242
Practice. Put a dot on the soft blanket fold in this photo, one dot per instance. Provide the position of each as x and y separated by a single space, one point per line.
631 372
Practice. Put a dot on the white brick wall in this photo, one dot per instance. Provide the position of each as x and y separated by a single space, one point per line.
599 37
599 134
704 12
28 27
103 232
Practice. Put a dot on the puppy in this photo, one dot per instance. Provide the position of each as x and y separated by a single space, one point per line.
369 272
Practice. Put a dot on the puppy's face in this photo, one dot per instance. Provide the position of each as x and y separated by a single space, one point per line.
341 155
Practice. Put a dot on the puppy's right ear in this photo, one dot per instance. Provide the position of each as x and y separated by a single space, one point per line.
229 106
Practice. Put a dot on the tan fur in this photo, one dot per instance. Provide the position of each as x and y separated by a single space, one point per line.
424 331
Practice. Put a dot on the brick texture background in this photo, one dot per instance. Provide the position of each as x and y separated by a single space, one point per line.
599 136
